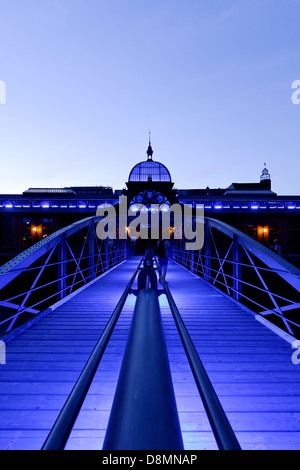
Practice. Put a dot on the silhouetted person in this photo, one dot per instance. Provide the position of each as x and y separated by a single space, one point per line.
163 247
148 251
276 247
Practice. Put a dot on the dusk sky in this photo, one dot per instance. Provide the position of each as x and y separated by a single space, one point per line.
87 79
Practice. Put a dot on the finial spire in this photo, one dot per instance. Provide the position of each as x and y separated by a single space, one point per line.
149 150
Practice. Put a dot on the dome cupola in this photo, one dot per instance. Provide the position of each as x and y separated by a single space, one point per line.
149 170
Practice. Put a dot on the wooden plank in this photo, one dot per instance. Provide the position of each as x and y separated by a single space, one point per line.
40 373
249 366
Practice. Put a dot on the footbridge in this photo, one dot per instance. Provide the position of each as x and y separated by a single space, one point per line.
99 351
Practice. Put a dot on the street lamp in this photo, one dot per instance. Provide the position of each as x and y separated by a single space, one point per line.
34 229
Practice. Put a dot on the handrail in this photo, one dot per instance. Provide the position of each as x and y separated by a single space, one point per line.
254 246
276 310
230 276
144 414
26 258
283 268
59 278
245 265
297 304
62 428
266 282
30 307
6 302
70 260
25 286
220 425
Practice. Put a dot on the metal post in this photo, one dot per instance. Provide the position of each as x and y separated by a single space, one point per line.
236 257
192 261
207 253
91 239
62 267
106 256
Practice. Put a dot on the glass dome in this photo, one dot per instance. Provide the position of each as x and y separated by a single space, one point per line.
150 171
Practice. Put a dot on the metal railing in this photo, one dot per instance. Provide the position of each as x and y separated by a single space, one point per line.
248 272
144 414
62 428
52 269
223 432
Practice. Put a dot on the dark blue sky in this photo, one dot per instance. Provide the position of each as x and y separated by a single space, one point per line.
87 79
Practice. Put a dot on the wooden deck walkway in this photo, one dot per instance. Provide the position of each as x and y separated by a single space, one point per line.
249 366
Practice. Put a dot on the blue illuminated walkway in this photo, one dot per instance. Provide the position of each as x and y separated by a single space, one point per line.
248 364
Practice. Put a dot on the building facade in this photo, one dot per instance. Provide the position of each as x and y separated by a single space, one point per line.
253 208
